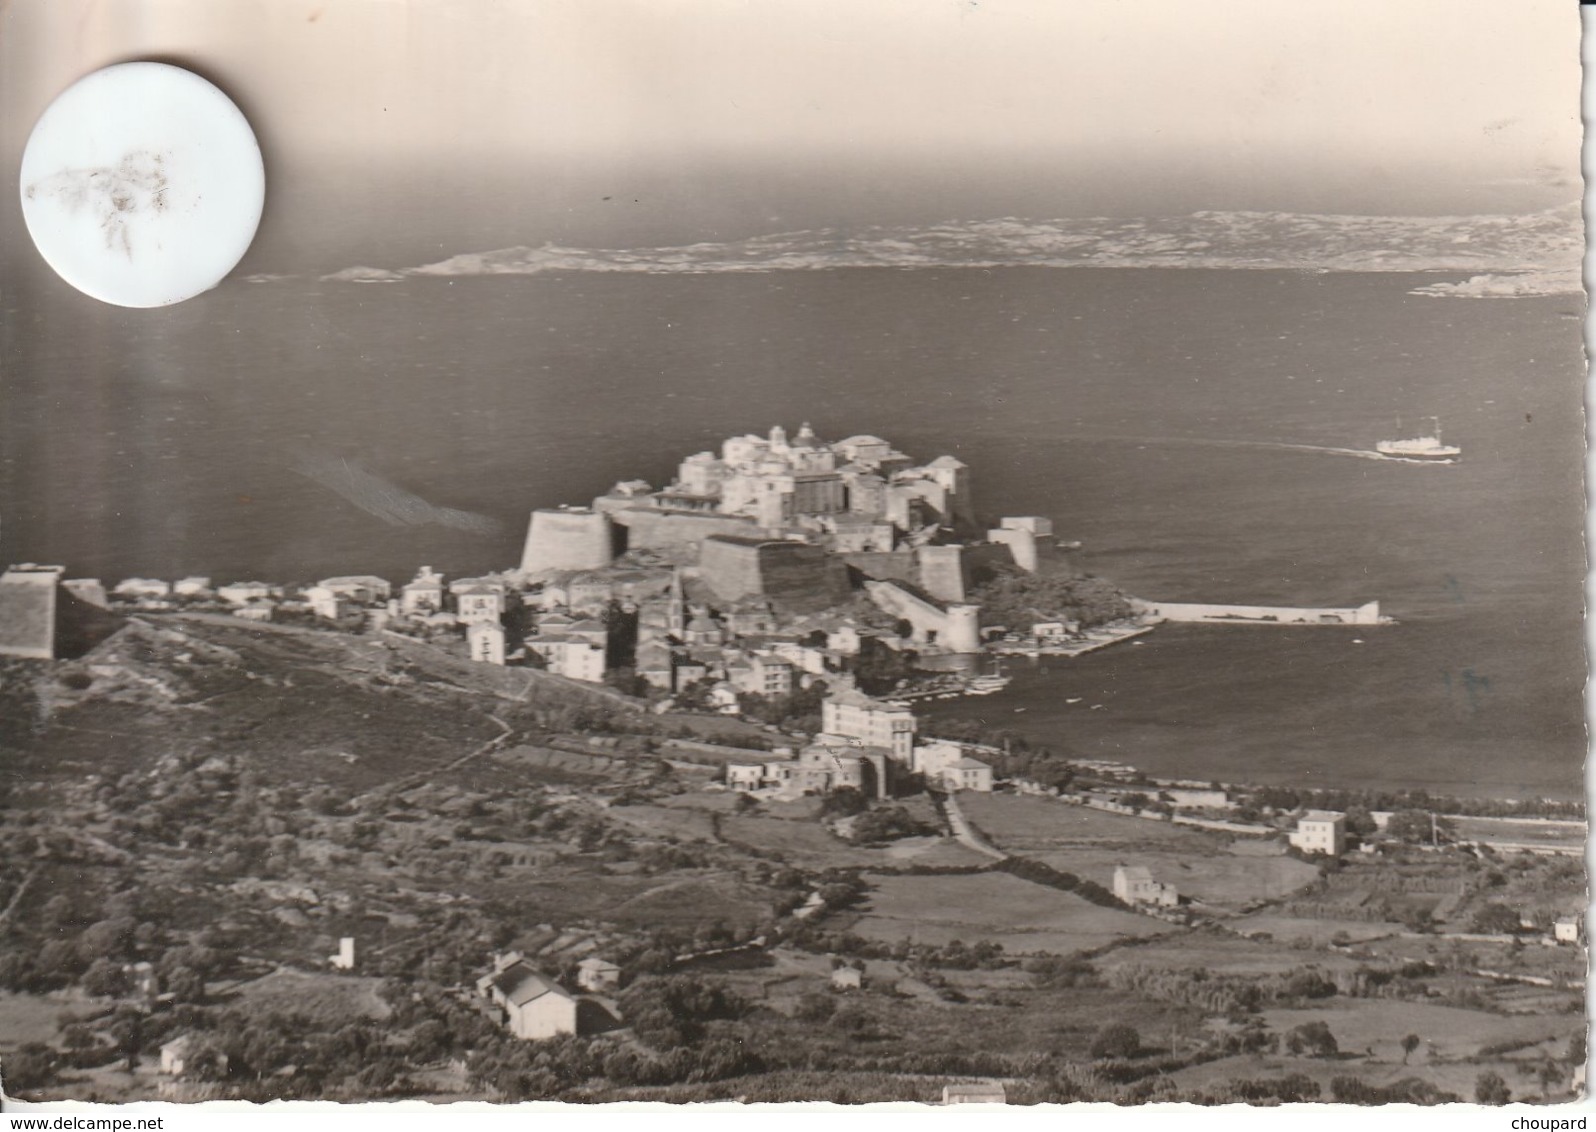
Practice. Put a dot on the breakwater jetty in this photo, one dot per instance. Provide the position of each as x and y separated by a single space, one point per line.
1366 614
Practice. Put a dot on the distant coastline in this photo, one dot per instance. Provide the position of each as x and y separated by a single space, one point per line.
1534 254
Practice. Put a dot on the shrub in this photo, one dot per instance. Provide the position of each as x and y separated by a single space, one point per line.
1116 1040
1489 1088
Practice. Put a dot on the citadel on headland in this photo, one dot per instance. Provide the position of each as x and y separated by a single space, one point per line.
775 568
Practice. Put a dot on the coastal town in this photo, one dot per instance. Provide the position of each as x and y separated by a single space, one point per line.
652 814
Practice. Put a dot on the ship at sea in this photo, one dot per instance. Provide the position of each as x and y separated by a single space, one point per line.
1426 449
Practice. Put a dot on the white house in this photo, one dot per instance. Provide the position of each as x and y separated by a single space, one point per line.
1568 929
597 975
531 1005
422 595
479 599
1321 831
192 587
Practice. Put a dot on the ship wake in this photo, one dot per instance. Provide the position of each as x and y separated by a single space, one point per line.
383 500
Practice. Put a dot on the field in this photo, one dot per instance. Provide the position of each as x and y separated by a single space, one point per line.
1447 1033
1020 822
1221 954
31 1017
1218 879
684 897
1022 916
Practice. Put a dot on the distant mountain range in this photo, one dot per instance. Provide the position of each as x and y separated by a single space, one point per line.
1546 247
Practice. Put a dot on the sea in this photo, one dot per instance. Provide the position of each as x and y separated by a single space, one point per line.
290 429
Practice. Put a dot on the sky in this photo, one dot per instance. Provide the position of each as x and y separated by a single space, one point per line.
720 118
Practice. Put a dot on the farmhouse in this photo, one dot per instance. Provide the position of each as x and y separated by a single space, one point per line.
1568 929
529 1005
1134 884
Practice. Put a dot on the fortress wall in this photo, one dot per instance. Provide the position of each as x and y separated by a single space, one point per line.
941 572
924 618
1366 614
884 564
803 579
567 540
665 530
795 576
731 569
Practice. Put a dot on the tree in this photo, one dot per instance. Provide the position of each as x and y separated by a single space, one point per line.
105 979
1489 1088
1409 1044
1116 1040
32 1065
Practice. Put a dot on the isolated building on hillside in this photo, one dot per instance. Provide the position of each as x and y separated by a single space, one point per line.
1321 831
1134 884
533 1006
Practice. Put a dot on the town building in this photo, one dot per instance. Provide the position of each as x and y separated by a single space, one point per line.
361 589
1134 884
485 641
423 594
875 723
1321 831
262 609
479 599
193 587
242 593
948 766
137 588
326 604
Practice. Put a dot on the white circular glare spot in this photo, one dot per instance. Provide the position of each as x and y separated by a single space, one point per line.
142 185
